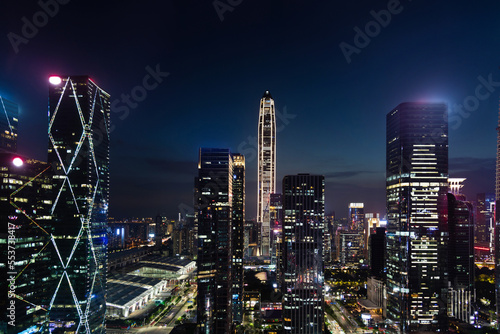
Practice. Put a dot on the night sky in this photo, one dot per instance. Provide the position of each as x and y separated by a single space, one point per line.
331 112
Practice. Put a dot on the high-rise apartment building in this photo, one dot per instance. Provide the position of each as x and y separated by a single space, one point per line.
219 207
266 178
238 228
417 174
79 119
303 275
9 113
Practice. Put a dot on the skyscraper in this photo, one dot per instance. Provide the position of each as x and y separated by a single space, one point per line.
25 244
238 229
417 173
483 222
357 227
79 118
266 178
357 217
303 276
276 216
214 210
461 258
9 113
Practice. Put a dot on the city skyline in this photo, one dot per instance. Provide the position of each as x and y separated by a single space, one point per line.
314 85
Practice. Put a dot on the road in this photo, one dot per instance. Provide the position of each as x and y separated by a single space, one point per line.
166 323
346 320
177 311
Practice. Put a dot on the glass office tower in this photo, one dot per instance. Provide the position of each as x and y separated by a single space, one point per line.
417 173
79 118
25 243
303 276
266 178
238 229
214 210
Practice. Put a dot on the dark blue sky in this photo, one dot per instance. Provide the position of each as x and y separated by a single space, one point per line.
332 113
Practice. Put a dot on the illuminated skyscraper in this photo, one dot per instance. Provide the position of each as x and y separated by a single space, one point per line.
79 118
218 196
357 217
483 222
276 216
303 275
9 113
238 227
266 179
356 243
25 244
417 174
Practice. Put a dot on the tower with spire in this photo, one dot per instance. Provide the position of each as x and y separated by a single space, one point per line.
266 179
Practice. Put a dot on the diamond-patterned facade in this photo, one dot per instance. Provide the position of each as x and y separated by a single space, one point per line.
79 117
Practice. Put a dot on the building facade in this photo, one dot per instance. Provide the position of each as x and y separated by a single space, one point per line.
266 178
461 258
79 119
416 188
238 235
276 216
303 273
483 224
25 243
214 210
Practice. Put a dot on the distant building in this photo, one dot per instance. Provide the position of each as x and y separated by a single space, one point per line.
350 248
328 239
237 235
461 259
377 253
9 113
266 178
356 217
416 187
484 224
180 240
303 275
276 216
357 247
79 119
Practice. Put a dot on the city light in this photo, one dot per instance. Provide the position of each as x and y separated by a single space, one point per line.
18 162
55 80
